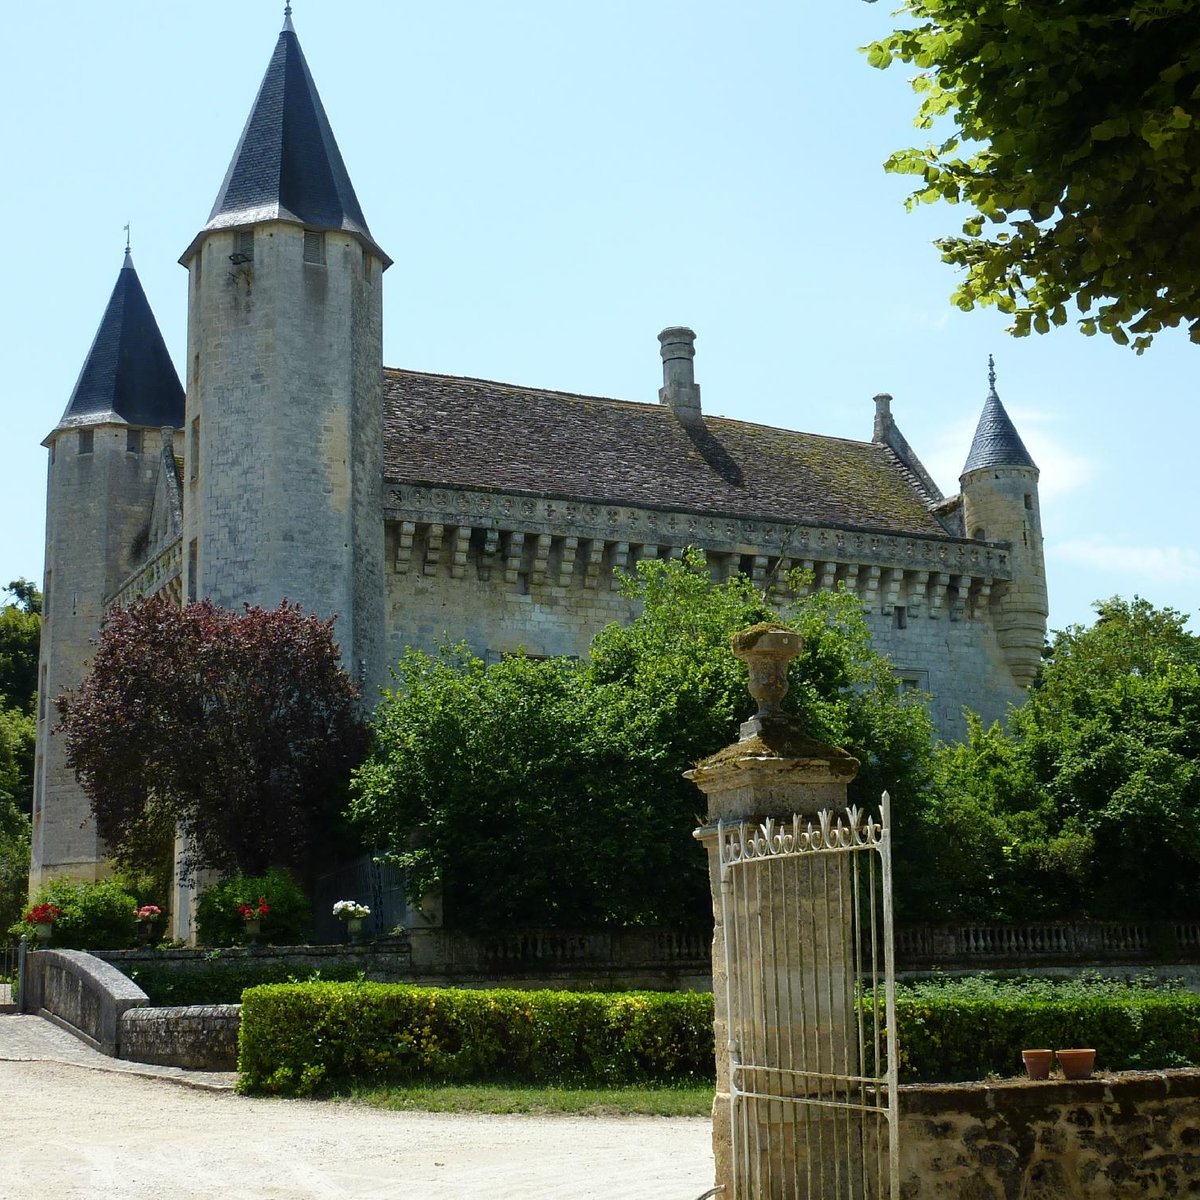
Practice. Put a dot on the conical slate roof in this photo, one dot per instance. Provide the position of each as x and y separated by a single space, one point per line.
287 165
128 375
997 443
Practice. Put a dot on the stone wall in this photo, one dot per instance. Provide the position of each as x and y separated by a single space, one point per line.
1124 1136
503 572
616 960
81 993
198 1038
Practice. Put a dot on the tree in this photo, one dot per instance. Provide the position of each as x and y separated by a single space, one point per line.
551 793
1089 805
1074 135
20 635
14 861
239 728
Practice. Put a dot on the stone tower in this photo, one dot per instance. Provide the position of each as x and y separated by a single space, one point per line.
1000 503
283 473
105 457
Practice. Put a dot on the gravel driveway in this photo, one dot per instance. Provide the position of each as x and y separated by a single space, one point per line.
71 1131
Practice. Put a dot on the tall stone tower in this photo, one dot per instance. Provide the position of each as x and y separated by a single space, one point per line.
1000 502
104 464
283 474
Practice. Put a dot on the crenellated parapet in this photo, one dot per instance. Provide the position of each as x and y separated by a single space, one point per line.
549 543
163 572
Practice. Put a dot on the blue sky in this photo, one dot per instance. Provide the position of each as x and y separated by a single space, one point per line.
556 183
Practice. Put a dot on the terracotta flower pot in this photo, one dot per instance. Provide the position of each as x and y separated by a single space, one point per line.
1076 1064
1037 1063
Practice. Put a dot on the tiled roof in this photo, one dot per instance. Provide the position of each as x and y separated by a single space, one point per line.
472 433
287 165
997 443
128 374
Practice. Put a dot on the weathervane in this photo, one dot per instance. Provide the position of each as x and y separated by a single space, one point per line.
126 228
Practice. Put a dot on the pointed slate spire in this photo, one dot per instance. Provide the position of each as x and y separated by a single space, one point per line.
997 443
128 375
287 166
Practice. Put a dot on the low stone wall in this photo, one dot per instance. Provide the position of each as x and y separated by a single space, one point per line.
81 993
200 1038
1112 1138
609 961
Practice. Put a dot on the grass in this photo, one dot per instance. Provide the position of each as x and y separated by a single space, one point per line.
666 1100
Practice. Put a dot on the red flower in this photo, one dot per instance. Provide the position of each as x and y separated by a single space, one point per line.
43 914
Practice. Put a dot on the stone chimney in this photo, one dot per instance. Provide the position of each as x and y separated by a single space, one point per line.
679 390
883 417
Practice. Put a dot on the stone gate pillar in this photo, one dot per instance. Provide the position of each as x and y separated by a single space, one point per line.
776 771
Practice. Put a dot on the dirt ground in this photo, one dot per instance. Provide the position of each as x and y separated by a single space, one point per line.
68 1132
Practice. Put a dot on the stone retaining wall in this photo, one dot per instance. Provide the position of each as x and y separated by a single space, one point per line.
1114 1138
80 993
199 1038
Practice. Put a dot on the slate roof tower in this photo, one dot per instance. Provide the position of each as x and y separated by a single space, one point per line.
283 460
999 483
105 461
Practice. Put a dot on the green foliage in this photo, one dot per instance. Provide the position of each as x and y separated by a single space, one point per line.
551 793
14 863
238 728
18 733
20 636
972 1028
1074 133
1088 805
288 923
93 916
222 981
296 1039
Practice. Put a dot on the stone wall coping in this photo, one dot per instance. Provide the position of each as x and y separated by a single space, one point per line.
93 1006
177 1012
97 972
1118 1087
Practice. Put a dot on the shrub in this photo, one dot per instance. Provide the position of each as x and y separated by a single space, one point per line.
223 982
92 916
299 1037
975 1027
288 922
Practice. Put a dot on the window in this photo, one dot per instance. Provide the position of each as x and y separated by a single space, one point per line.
133 441
243 247
900 617
314 247
194 451
87 441
46 597
1028 499
193 565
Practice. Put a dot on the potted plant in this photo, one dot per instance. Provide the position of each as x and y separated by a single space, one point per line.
1076 1064
146 916
252 917
42 918
354 914
1037 1063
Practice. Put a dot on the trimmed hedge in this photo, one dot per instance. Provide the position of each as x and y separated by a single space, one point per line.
223 983
297 1038
972 1028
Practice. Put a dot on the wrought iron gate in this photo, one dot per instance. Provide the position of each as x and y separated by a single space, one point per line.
806 911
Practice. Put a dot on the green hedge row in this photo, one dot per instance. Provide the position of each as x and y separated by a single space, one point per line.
298 1038
973 1028
223 983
